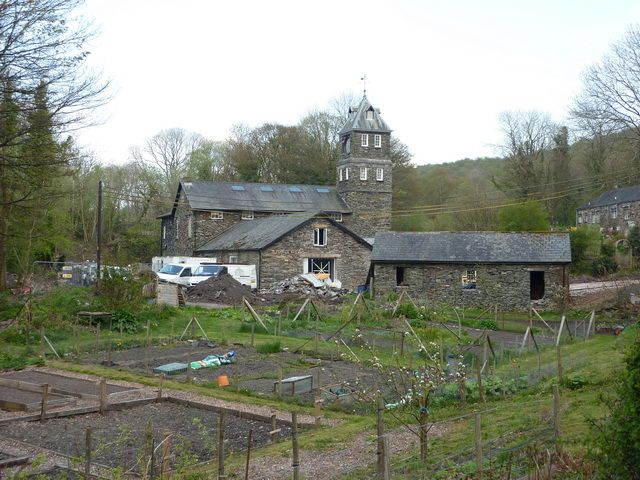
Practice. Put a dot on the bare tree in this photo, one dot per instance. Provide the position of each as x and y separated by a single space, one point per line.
610 98
527 136
169 152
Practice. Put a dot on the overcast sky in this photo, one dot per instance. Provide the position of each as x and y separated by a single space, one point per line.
440 71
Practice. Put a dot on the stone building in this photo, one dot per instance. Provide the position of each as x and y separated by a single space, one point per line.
284 246
474 268
210 218
614 211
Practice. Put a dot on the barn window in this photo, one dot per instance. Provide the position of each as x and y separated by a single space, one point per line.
614 212
233 259
625 212
336 216
536 285
469 280
247 215
322 268
217 215
399 276
363 173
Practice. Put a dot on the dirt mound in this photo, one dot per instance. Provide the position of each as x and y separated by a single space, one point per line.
222 289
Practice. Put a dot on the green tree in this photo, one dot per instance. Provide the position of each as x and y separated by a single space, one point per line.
524 217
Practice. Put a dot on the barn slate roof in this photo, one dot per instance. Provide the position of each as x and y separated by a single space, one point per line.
472 247
357 119
262 197
259 234
614 197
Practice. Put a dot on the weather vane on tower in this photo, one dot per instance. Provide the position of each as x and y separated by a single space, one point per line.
364 84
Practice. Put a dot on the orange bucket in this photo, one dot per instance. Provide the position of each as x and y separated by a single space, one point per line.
223 381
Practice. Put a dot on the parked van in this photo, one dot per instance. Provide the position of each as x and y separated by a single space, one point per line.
204 272
176 273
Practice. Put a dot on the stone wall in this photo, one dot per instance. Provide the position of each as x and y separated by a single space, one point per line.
503 284
371 212
284 259
622 218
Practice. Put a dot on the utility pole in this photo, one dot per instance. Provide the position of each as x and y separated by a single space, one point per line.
99 237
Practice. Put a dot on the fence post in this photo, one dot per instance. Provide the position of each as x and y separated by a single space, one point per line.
478 444
317 410
87 453
479 379
166 445
556 413
221 445
294 440
103 395
559 359
43 408
246 468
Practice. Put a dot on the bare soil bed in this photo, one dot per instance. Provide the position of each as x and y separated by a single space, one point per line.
71 385
15 399
119 437
253 371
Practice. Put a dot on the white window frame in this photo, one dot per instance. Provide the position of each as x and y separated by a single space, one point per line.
377 141
363 173
336 216
614 212
247 215
470 279
320 239
625 212
346 173
579 218
340 172
164 232
379 174
233 258
364 140
216 215
190 226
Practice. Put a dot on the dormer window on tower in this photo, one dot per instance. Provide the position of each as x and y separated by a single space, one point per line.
369 115
365 140
377 140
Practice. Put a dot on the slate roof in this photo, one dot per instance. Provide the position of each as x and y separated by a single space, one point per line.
613 197
472 247
357 119
262 197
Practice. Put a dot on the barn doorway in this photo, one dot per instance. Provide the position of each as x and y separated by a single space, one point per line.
536 282
322 268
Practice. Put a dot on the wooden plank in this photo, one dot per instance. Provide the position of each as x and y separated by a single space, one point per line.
542 319
300 310
254 314
14 462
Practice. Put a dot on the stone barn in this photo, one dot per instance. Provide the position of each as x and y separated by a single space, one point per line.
479 269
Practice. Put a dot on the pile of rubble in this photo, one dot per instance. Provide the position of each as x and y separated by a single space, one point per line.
305 285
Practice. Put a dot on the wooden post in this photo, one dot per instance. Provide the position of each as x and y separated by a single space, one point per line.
253 332
479 378
221 445
42 347
274 426
315 346
317 409
246 468
478 443
280 383
76 343
87 453
402 345
152 458
98 336
27 329
559 358
294 440
103 395
382 453
556 413
188 370
43 407
463 392
166 445
591 320
159 399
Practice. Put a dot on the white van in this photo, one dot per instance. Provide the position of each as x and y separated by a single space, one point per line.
176 273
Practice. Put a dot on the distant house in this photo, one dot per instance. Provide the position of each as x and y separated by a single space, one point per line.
615 211
474 268
287 229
